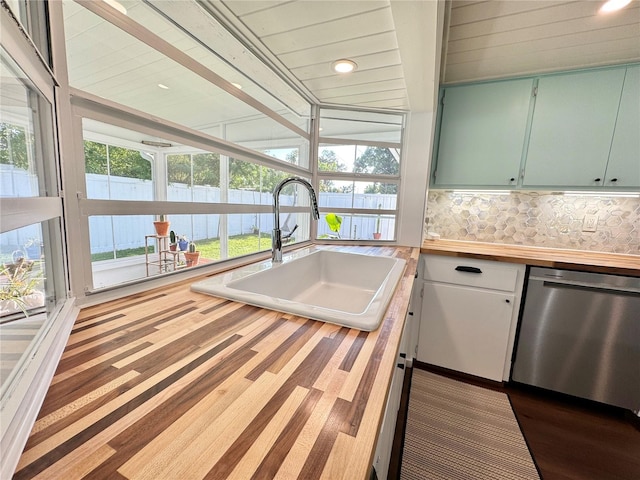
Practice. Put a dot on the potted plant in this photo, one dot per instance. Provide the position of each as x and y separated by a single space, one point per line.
183 243
192 255
162 226
334 222
18 287
377 234
172 241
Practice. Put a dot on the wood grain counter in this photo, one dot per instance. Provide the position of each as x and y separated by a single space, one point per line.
600 262
179 385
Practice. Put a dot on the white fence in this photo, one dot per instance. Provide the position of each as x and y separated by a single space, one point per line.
119 232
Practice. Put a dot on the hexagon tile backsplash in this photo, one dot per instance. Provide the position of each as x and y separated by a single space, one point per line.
541 219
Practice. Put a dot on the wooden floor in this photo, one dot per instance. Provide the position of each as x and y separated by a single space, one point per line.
574 440
568 438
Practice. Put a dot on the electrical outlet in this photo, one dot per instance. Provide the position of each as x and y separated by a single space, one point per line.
590 223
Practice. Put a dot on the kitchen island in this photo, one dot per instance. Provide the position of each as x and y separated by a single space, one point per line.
175 384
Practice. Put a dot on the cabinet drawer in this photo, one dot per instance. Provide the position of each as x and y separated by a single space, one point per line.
470 272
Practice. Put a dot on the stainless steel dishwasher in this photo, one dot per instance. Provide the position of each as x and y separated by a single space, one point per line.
580 334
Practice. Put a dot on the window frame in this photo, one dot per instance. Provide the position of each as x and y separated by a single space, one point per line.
22 399
360 177
85 105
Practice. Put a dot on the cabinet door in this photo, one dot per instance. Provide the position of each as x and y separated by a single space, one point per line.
572 129
481 134
623 169
465 329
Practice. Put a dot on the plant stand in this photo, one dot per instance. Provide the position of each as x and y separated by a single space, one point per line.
163 258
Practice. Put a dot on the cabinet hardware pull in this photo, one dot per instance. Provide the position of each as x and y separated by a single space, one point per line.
464 268
401 366
597 180
614 179
512 179
508 301
403 355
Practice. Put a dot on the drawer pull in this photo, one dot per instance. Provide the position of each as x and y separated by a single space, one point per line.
464 268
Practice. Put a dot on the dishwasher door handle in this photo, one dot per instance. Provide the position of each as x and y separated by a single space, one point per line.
587 286
464 268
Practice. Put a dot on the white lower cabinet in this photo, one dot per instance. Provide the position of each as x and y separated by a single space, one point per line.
469 314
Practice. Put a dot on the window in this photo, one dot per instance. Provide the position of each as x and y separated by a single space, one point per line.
359 175
33 290
192 87
159 176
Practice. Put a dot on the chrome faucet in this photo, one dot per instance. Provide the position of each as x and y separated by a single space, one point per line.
276 237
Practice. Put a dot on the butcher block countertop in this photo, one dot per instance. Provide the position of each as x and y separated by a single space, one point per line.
179 385
600 262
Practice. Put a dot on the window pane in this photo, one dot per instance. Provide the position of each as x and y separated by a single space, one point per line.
118 242
356 227
117 173
107 62
27 293
32 17
354 125
24 148
193 177
252 184
358 159
350 194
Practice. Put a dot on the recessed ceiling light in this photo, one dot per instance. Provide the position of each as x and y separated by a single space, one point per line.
163 86
237 85
613 5
117 5
344 66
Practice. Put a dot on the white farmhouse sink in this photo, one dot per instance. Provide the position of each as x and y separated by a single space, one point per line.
348 289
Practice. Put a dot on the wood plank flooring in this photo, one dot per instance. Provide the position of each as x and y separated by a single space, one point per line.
569 439
575 440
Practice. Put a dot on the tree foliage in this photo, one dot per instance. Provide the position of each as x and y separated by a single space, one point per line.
206 169
13 146
378 161
328 162
117 161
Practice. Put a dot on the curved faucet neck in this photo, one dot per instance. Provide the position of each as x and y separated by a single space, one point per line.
276 239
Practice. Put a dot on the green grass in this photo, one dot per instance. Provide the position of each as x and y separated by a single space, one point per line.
209 248
237 246
128 252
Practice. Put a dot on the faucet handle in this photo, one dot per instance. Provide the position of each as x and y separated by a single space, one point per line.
288 235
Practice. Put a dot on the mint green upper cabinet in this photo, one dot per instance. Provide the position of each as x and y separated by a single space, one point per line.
573 122
623 169
482 132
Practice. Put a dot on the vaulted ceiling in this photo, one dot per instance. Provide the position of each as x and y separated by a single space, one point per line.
388 38
397 45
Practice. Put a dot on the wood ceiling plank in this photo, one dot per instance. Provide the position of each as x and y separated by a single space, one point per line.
585 41
339 30
357 78
587 26
246 7
366 62
499 8
365 97
607 53
395 103
333 51
555 16
396 84
300 14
